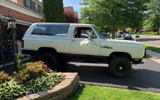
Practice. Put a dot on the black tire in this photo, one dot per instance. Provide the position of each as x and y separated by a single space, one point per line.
50 60
120 67
62 62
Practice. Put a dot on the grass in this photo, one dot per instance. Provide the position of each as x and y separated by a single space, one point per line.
118 39
148 56
152 48
87 92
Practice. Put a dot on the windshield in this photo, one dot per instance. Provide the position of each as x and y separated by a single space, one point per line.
99 34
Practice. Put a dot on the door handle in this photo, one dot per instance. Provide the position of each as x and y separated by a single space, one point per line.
74 40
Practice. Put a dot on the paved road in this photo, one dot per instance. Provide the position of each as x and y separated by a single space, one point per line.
144 77
149 40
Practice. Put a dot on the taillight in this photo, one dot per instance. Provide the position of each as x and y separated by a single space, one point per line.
16 46
22 43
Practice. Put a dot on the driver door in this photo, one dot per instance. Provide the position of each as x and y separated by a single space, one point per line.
80 44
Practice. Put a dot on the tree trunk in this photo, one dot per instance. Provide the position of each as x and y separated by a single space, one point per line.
158 31
113 32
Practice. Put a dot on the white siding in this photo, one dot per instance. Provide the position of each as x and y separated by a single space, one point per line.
14 1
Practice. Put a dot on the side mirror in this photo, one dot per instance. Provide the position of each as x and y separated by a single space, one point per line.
90 37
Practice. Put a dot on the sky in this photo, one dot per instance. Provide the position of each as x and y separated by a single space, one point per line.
74 3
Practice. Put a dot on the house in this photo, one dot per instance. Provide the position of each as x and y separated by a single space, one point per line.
25 12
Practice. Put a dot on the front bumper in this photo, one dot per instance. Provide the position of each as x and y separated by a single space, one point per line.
138 61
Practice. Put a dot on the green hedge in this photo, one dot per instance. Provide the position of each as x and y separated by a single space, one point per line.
53 10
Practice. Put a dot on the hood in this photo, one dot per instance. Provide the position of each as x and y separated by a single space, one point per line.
122 43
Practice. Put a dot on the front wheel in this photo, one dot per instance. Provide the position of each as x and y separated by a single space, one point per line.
120 67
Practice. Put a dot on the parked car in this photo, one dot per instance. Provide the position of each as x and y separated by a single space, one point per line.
118 34
140 31
106 35
127 36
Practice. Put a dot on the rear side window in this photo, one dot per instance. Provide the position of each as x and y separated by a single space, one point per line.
51 29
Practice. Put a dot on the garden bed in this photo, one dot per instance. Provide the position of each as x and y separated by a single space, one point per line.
37 82
60 92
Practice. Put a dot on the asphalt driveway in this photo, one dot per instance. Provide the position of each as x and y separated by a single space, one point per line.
149 40
144 77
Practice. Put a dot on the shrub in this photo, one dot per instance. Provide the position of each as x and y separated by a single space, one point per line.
4 77
70 16
31 71
43 83
19 67
11 90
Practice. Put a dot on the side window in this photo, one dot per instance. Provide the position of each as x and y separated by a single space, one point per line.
39 30
59 30
83 32
53 30
93 34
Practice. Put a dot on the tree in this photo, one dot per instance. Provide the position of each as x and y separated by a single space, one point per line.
53 10
152 21
70 16
114 14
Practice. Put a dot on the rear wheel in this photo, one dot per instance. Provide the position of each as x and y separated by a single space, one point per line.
62 62
120 67
50 60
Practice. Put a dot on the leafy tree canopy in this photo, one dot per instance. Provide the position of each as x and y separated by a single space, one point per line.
152 21
70 16
117 14
53 10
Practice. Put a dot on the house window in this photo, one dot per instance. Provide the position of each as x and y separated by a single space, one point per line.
36 7
28 3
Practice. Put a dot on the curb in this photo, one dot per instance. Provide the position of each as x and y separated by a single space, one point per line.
12 63
154 58
62 91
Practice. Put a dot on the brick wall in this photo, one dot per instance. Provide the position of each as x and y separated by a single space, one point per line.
32 5
18 15
40 9
20 2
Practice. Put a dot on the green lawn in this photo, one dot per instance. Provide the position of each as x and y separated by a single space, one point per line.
118 39
148 56
87 92
152 48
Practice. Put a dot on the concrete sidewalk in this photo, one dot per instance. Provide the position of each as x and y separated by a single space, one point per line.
155 56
